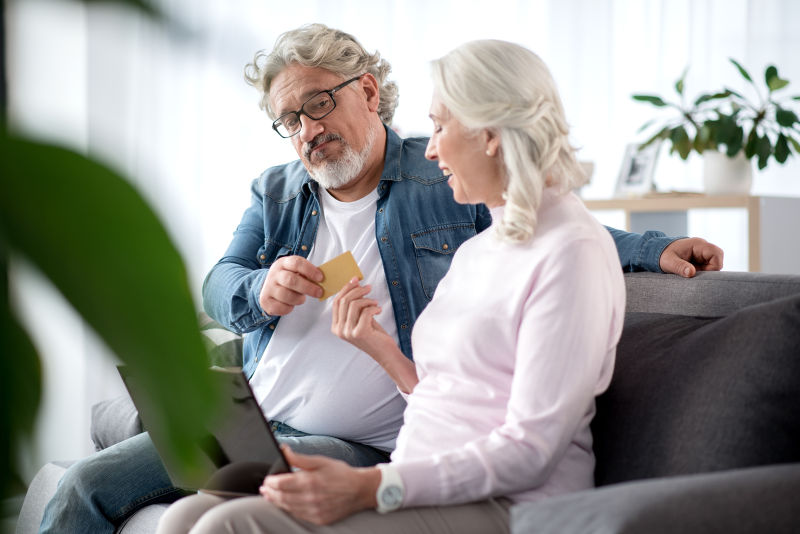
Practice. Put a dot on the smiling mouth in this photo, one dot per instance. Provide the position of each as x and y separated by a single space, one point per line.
446 171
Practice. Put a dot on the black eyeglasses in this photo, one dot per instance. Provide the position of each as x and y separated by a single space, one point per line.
318 106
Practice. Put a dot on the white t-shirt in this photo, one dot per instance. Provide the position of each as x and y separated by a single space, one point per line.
314 381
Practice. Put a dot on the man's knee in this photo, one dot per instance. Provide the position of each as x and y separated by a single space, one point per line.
111 467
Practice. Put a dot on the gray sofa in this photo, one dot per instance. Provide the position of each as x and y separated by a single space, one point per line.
699 431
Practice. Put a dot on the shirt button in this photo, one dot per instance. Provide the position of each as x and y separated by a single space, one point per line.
303 247
403 326
314 212
445 247
263 257
380 210
395 283
384 239
272 326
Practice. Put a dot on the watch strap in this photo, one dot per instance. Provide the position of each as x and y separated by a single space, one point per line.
391 491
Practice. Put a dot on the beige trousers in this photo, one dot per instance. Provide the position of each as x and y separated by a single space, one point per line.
206 514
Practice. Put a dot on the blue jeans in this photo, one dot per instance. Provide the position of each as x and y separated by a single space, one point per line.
100 492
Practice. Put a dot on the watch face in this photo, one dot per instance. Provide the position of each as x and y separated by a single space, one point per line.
391 495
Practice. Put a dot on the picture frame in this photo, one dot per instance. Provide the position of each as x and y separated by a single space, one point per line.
638 168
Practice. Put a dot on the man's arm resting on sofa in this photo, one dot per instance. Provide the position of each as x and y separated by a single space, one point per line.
655 252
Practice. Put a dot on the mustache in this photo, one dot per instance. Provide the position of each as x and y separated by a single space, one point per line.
318 140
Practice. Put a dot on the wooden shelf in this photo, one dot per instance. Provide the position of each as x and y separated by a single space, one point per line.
769 221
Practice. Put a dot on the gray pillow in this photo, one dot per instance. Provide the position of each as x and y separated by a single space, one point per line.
113 421
117 419
692 395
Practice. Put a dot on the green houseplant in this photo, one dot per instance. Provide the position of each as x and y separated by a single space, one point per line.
729 122
94 236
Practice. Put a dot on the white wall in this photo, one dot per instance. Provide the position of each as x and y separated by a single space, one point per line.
174 113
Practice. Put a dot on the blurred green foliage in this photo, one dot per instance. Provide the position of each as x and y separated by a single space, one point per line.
729 122
93 235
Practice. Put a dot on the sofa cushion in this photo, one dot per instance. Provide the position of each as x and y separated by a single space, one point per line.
224 347
693 394
741 501
114 420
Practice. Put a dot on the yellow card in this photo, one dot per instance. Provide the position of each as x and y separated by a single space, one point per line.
338 272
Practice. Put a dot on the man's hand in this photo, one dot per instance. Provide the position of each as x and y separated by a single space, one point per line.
288 282
686 256
323 490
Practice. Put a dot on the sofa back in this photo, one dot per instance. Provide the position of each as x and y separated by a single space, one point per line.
707 377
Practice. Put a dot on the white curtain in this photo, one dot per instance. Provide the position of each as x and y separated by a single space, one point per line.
173 112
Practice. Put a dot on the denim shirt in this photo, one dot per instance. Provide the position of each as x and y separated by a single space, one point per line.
418 228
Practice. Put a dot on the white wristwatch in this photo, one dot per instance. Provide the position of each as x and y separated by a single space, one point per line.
390 491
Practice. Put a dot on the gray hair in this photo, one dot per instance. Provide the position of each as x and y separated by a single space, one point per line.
508 89
316 45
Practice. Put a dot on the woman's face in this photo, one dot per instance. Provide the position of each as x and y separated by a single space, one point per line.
470 159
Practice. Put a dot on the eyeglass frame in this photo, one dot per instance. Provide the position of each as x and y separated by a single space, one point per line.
277 122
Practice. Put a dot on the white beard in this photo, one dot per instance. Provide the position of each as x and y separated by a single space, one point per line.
338 173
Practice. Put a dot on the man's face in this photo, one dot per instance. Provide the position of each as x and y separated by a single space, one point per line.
335 148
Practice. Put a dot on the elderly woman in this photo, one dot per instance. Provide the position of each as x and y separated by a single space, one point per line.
509 355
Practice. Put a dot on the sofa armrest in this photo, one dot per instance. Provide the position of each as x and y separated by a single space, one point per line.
760 499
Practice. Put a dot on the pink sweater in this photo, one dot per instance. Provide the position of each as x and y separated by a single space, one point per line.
511 352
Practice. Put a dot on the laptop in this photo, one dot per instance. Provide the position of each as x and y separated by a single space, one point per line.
237 452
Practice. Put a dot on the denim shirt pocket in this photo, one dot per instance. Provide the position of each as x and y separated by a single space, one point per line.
271 251
434 249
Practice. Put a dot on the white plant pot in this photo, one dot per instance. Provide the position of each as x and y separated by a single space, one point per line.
726 176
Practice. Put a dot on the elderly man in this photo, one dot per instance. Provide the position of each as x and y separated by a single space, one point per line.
357 187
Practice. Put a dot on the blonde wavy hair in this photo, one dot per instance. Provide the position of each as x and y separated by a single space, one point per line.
507 89
316 45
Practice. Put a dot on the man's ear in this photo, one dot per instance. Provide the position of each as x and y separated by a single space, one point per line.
491 139
369 85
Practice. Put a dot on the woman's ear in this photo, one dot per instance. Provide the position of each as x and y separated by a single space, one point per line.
491 140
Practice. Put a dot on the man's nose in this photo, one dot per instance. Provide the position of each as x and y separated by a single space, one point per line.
310 129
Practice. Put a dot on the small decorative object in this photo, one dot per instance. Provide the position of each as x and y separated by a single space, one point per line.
636 173
727 122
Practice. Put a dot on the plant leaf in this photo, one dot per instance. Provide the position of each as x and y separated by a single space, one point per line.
681 142
782 150
774 82
97 240
20 385
734 93
651 99
751 145
764 151
646 125
713 96
661 134
795 144
679 83
742 70
785 117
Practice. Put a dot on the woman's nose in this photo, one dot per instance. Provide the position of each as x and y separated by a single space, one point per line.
430 150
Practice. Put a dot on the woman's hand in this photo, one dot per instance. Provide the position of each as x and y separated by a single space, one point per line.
323 490
354 321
